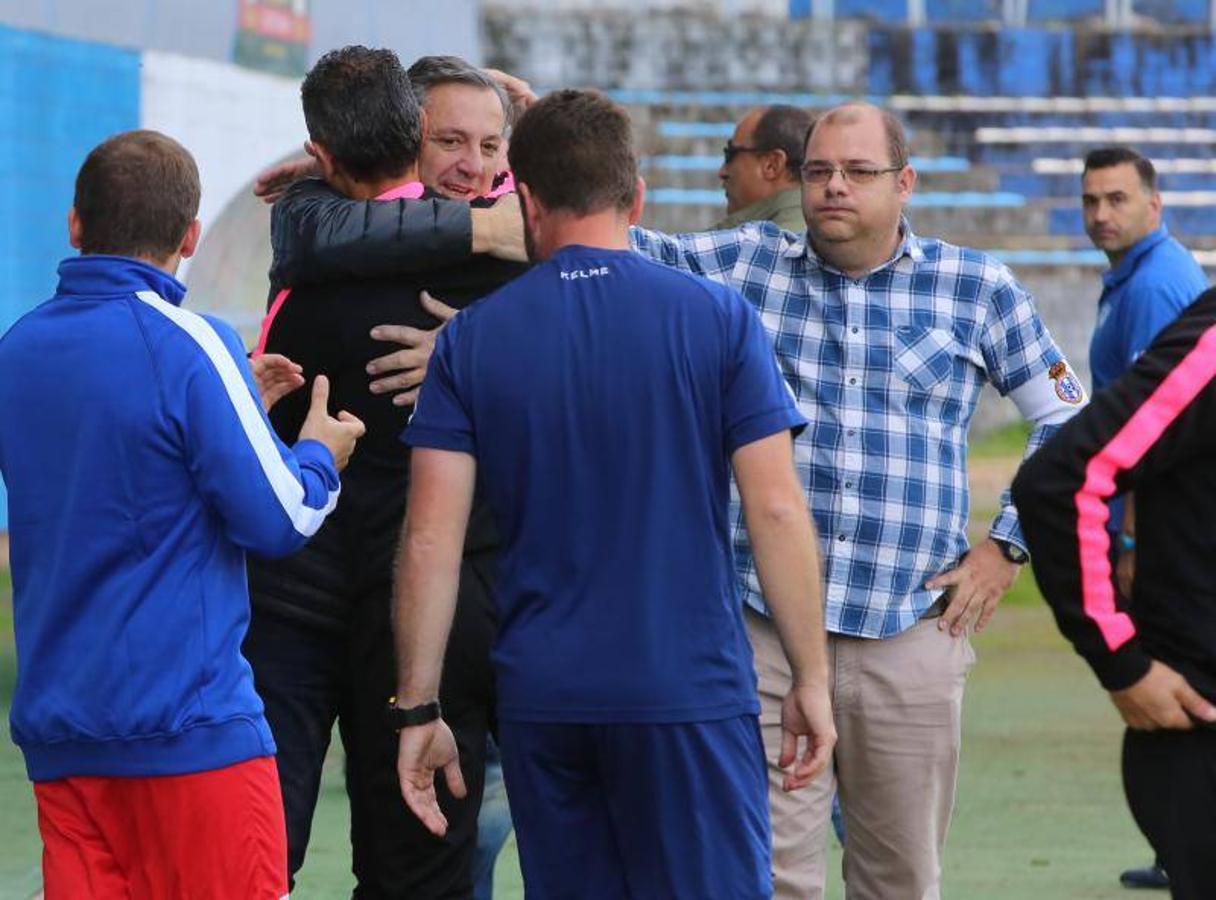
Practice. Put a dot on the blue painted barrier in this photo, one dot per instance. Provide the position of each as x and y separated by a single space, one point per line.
58 98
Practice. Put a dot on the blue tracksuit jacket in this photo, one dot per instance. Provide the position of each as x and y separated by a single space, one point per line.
140 468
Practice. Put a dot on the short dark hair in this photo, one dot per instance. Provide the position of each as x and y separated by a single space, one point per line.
427 72
574 151
784 127
897 137
136 195
358 104
1105 157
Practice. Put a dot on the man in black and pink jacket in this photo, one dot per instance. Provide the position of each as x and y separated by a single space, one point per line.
1152 432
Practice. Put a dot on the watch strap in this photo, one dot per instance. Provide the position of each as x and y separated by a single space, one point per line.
423 714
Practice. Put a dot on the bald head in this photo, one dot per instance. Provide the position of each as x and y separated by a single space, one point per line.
856 181
858 112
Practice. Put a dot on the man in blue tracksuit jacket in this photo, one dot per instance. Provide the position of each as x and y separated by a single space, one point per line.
140 469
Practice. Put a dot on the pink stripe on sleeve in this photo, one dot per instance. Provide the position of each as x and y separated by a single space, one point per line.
1123 452
279 299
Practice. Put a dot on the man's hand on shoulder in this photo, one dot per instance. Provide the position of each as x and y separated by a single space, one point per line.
401 372
519 92
975 586
499 229
1162 699
271 183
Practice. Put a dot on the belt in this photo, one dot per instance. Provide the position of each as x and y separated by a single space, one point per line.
936 608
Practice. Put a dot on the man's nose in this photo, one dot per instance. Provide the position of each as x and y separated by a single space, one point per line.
836 183
472 163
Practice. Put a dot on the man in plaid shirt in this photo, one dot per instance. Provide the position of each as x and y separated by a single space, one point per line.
887 339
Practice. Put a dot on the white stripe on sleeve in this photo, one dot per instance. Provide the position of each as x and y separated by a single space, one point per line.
286 487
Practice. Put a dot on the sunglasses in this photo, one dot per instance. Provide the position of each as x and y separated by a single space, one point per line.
730 151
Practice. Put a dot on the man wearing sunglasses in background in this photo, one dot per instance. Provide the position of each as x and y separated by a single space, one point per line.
759 169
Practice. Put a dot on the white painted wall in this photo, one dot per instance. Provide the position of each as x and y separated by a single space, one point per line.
236 122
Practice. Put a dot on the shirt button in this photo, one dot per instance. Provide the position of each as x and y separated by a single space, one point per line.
854 329
848 484
840 537
852 381
852 431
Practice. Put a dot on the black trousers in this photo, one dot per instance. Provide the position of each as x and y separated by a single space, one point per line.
311 672
1170 780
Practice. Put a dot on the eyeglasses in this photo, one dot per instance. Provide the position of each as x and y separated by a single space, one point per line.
819 173
730 151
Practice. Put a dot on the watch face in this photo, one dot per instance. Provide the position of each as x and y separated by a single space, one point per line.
1014 553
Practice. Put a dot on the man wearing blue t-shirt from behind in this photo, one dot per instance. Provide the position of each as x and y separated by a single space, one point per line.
602 400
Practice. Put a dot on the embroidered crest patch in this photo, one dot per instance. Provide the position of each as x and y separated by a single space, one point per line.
1068 388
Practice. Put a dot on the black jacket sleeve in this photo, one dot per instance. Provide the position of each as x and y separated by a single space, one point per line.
1159 416
318 235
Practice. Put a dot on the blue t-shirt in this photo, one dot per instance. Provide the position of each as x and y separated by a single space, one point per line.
603 395
1154 281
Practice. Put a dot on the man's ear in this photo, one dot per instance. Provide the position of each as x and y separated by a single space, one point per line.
75 229
190 240
905 181
424 122
774 165
639 201
528 206
325 159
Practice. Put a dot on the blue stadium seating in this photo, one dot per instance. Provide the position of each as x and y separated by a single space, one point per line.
962 10
880 10
1173 11
1057 10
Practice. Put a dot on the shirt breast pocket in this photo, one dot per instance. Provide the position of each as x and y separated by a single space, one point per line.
924 356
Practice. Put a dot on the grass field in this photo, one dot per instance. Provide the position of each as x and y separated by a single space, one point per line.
1040 813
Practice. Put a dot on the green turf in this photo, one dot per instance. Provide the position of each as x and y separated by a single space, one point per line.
1008 440
1040 811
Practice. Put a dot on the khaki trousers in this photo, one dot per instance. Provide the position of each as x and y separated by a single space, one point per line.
898 708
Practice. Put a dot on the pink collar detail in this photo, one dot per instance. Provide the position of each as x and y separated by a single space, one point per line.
411 190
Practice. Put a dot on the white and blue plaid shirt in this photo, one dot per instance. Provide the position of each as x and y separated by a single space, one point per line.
888 369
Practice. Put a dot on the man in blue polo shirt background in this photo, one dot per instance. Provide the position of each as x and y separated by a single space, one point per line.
1152 278
603 400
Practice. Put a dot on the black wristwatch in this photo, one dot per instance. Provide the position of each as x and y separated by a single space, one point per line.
398 718
1012 552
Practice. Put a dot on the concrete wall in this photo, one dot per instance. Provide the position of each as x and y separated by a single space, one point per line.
673 50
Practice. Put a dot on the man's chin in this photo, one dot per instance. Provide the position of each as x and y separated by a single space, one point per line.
832 230
1111 244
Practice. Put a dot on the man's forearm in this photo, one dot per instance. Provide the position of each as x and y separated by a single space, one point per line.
428 569
785 548
424 604
784 545
319 235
